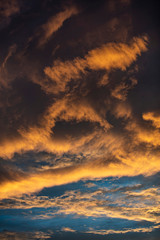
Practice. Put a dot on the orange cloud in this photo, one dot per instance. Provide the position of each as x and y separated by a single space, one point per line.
67 229
96 204
142 134
111 231
105 152
56 22
39 138
154 118
108 57
130 165
81 111
122 110
116 56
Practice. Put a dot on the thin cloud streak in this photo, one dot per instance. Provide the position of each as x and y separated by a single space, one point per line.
140 204
111 231
54 23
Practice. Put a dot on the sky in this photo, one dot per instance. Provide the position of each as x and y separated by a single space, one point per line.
79 120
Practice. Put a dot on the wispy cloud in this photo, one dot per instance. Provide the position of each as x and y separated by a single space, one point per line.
70 107
67 229
140 204
75 109
135 230
55 23
108 57
153 117
8 8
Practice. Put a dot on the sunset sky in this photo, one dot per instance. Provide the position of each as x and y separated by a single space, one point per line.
79 120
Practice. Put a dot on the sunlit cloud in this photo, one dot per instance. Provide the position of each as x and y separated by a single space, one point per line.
141 204
142 134
153 117
111 231
79 119
108 57
127 164
66 229
55 22
70 108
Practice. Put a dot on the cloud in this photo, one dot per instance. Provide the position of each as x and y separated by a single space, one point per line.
108 57
77 104
153 117
122 110
11 51
72 115
67 229
96 165
8 8
25 235
116 56
90 185
55 22
140 204
39 138
111 231
72 99
142 134
3 69
10 173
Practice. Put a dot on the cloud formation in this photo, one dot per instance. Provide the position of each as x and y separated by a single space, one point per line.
111 231
141 204
8 9
78 104
95 166
69 107
153 117
56 22
108 57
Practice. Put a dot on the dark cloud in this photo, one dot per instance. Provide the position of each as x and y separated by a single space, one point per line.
22 105
8 9
9 172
